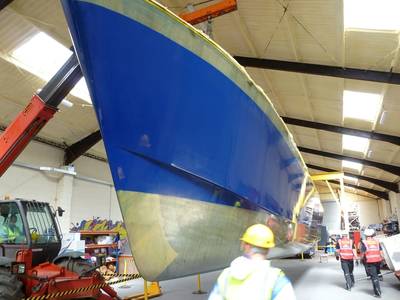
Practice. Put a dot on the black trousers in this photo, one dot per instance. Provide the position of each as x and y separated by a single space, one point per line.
348 267
378 270
373 270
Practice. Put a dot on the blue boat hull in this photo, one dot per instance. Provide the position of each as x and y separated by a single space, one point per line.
195 154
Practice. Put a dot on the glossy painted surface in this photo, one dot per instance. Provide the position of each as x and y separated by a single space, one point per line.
187 128
155 99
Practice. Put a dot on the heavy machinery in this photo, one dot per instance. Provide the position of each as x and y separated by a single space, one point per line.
390 227
30 264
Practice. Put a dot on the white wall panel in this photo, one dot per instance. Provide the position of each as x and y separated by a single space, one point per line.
89 167
89 199
115 213
370 212
331 215
40 154
20 182
395 203
93 200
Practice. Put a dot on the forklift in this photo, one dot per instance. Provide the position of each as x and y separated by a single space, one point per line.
30 238
30 264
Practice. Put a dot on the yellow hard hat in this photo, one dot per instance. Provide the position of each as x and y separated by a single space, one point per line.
34 236
259 235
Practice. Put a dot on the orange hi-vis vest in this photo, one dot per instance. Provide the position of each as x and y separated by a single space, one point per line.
346 249
372 252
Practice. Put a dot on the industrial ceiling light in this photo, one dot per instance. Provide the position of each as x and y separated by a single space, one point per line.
81 91
372 14
355 143
67 103
351 165
43 56
362 106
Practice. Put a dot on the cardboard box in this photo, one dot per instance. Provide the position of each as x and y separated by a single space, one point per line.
72 242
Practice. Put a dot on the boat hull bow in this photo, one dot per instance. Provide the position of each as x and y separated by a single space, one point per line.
196 150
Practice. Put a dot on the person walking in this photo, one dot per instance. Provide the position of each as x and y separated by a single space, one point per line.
372 255
251 276
345 250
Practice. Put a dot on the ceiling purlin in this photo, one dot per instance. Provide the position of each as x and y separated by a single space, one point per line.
343 130
392 66
323 189
379 194
385 88
388 168
40 25
300 76
4 3
250 44
320 70
385 184
341 45
341 37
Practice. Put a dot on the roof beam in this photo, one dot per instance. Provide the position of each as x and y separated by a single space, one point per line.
322 70
388 168
58 145
344 130
379 194
4 3
341 130
385 184
79 148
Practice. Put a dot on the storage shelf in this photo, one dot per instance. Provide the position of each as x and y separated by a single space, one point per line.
97 246
98 232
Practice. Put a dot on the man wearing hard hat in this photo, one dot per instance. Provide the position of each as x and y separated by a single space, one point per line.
371 252
251 276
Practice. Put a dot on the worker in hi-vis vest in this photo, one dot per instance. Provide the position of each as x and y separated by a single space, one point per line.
251 276
345 250
372 255
16 234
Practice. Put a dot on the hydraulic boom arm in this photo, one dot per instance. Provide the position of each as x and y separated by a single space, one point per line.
37 113
44 105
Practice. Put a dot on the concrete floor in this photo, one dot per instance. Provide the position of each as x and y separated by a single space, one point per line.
311 280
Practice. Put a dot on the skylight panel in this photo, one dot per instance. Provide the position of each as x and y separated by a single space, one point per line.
362 106
352 165
81 91
372 14
355 143
43 56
